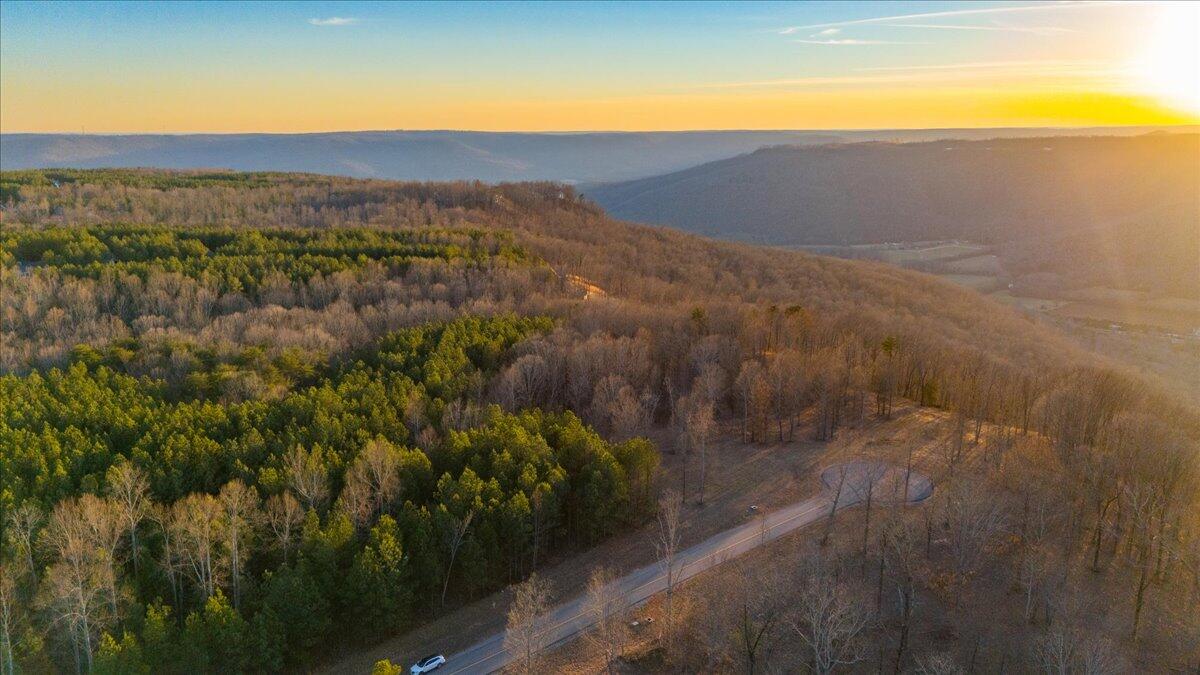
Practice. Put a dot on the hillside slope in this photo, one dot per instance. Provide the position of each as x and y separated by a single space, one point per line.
1099 211
644 270
321 384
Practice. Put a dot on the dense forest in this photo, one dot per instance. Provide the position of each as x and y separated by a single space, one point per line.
367 494
244 415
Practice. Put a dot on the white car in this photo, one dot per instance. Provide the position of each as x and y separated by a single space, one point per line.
427 664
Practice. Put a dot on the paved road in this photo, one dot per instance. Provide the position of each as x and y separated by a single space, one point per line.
569 619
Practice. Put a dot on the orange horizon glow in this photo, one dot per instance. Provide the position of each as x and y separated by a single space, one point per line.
908 109
266 69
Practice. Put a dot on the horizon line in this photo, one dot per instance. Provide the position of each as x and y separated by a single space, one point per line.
590 131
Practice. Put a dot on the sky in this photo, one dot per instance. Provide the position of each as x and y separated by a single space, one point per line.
181 67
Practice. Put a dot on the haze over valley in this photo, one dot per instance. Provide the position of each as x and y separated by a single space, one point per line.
448 155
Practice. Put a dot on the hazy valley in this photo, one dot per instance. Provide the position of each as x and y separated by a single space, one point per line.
450 155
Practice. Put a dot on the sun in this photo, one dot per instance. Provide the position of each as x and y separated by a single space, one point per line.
1168 65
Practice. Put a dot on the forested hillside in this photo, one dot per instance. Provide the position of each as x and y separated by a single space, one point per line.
1092 211
247 417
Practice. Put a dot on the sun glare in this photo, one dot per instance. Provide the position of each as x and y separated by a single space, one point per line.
1168 66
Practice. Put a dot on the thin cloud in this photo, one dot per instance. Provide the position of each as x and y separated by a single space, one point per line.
334 21
1035 30
937 15
854 41
827 31
815 81
975 65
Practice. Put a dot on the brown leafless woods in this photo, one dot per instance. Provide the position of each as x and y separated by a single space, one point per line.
1064 533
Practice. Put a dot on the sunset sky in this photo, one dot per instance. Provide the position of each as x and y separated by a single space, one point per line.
284 67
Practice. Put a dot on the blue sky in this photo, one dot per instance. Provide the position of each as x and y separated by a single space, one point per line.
184 66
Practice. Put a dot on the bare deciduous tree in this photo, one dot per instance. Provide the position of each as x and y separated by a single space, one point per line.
355 499
829 620
884 380
1032 576
710 383
1064 651
699 426
383 469
828 382
170 560
605 606
973 518
8 616
523 635
784 376
307 475
197 527
841 473
748 385
1144 501
524 383
241 505
868 475
74 594
757 605
940 663
900 543
629 414
617 408
105 523
666 542
1098 656
77 589
23 524
130 490
283 515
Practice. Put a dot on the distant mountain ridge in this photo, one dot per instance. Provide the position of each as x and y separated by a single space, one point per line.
446 155
1105 210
